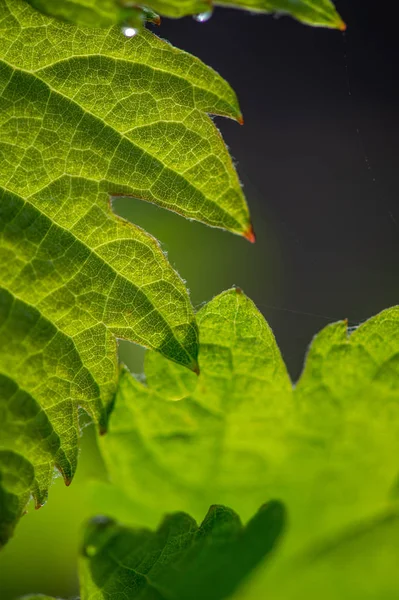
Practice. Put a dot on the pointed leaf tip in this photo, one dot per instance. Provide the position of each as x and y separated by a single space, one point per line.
156 20
194 367
240 119
249 234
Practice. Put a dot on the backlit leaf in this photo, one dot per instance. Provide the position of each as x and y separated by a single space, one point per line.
359 563
327 447
319 13
87 114
90 13
180 560
100 13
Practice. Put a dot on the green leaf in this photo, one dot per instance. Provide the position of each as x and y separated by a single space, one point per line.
37 597
327 447
319 13
361 563
95 13
312 12
178 561
103 13
87 115
180 8
195 448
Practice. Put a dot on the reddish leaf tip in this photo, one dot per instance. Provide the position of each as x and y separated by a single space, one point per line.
249 234
240 119
342 26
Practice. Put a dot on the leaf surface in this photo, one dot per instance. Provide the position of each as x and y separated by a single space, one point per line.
178 561
89 13
319 13
101 13
327 447
360 563
87 115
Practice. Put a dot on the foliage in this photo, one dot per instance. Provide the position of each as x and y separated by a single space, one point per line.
359 563
320 13
87 115
326 447
102 13
96 13
180 560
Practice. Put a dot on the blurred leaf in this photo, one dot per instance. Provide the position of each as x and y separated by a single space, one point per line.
178 561
193 449
319 13
103 13
361 563
167 378
91 13
85 115
38 597
328 447
179 8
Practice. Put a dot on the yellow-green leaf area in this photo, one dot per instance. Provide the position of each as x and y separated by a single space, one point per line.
102 13
327 446
359 563
86 115
130 114
90 13
318 13
179 560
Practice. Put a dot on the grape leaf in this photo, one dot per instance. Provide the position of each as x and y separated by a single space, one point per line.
38 597
102 13
178 561
96 13
327 447
361 563
319 13
86 115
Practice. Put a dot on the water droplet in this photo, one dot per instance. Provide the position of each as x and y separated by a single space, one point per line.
129 31
203 17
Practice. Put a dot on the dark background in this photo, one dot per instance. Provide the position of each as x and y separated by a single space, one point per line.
318 156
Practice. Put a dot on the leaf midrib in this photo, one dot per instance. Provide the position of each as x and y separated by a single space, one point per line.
137 63
122 136
16 297
167 47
